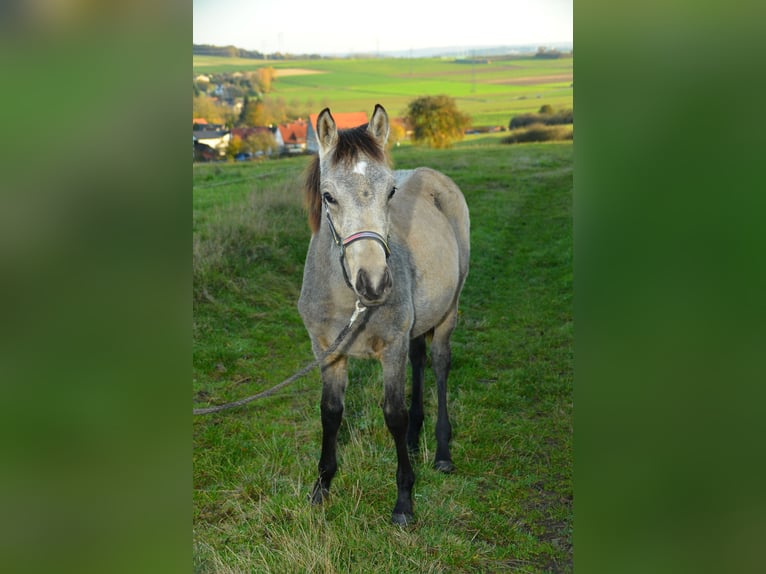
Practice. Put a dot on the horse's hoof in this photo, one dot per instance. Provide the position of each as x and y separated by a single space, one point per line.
402 519
319 495
444 466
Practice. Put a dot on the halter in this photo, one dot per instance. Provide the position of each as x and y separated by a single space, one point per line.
343 243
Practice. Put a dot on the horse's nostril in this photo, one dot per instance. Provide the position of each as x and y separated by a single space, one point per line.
366 289
362 282
387 282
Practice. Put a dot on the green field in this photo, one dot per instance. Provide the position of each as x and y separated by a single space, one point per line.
490 93
508 507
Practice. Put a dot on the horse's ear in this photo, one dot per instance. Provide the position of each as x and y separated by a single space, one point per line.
378 126
327 132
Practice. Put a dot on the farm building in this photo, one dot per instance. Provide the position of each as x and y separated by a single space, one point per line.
343 121
214 139
293 136
204 152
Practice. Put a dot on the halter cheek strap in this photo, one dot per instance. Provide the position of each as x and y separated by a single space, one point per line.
343 243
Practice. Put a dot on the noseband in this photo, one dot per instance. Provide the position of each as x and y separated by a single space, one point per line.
343 243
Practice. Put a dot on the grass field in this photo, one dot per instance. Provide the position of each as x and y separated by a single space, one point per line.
491 93
508 507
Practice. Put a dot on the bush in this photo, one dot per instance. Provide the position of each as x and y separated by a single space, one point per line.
539 133
544 117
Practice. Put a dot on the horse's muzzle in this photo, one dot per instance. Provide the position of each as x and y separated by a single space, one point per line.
373 293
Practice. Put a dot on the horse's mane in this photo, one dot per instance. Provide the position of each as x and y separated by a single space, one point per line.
351 143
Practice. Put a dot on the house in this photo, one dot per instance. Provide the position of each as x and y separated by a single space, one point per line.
204 152
343 121
213 138
293 136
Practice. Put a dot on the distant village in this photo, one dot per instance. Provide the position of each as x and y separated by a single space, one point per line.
213 141
237 98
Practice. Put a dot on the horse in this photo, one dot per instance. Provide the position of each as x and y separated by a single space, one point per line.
395 245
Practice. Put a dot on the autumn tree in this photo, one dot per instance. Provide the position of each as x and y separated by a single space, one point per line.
265 78
436 121
276 110
252 114
261 141
205 107
235 146
395 135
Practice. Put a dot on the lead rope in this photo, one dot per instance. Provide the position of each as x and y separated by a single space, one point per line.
358 310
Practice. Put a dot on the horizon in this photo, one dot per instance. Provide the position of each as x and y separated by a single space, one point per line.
271 26
429 51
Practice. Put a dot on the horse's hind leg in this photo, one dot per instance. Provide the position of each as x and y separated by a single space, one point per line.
441 359
418 363
334 380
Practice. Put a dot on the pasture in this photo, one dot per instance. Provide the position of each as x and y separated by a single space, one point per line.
509 505
490 93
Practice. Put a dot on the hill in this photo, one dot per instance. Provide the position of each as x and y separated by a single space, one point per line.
491 91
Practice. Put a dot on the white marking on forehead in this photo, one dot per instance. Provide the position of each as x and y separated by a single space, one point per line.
360 167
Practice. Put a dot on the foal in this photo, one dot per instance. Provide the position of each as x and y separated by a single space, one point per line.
397 244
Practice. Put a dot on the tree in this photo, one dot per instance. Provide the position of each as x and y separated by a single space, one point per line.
275 110
265 78
235 146
261 141
204 107
252 114
436 121
395 135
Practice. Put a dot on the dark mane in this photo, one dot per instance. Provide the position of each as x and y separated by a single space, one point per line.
351 143
311 197
355 141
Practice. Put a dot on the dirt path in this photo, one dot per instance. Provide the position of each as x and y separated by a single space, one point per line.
530 80
284 72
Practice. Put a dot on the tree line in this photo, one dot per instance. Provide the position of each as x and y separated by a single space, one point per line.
234 52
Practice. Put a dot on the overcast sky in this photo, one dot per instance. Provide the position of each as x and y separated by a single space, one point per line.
335 26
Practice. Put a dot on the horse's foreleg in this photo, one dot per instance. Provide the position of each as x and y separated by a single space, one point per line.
418 363
334 379
441 359
395 413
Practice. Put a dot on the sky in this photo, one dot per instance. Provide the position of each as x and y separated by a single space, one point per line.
337 27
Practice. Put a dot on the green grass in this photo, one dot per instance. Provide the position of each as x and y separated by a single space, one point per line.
508 507
353 85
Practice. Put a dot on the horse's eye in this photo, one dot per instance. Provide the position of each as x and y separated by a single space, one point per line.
328 198
392 192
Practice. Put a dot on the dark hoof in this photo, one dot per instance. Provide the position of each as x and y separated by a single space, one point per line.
402 519
444 466
319 495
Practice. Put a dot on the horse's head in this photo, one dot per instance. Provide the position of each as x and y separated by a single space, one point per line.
355 186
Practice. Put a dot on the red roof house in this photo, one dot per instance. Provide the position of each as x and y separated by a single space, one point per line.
294 136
